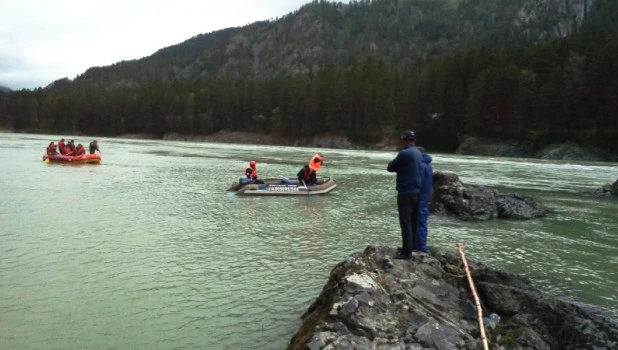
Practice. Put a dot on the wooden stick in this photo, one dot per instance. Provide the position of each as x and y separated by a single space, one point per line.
476 297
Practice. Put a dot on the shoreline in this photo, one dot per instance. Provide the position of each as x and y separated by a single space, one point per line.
471 146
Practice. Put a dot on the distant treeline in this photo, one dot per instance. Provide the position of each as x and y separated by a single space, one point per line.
559 90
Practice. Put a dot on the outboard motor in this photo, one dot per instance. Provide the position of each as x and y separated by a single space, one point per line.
243 180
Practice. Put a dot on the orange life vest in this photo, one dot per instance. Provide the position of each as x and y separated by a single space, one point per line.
315 162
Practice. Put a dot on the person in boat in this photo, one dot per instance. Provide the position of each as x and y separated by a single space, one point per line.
408 166
307 176
62 146
94 146
72 146
251 173
80 150
424 197
51 149
316 162
68 151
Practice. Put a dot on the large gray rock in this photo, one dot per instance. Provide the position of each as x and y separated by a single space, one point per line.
374 302
469 202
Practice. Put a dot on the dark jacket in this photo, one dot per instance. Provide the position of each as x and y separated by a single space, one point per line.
426 180
407 165
94 146
304 175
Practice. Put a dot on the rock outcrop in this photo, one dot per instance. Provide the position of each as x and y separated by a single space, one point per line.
478 146
607 190
374 302
470 202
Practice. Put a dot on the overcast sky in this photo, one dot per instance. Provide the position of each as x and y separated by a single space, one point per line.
45 40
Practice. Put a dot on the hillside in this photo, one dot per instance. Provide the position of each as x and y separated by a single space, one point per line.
536 72
324 33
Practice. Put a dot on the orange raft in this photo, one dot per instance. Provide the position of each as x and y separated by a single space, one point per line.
83 159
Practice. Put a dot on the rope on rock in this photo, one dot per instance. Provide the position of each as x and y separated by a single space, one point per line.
476 297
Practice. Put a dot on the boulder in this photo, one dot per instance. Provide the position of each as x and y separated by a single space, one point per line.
371 301
469 202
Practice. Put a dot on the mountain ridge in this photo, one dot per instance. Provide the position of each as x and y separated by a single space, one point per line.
322 33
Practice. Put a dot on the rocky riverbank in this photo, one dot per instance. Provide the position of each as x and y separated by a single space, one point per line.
470 146
474 146
372 301
477 146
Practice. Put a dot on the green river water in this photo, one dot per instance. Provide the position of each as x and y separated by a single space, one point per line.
148 250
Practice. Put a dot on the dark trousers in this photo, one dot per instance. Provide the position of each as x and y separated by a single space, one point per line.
407 204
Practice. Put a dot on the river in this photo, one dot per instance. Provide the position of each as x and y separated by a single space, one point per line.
148 250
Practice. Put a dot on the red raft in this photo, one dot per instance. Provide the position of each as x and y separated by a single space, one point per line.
83 159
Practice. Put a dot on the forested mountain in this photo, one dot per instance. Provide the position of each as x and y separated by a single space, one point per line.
324 33
538 71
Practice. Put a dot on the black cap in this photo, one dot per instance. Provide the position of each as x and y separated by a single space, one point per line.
408 135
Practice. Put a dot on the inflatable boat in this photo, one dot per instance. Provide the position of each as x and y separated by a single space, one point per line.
284 187
83 159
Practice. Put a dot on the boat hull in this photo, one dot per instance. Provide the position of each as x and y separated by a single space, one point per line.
83 159
279 187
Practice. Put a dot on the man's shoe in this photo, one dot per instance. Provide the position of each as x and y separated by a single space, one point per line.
403 256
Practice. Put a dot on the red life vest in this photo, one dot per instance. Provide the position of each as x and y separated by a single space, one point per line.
315 162
61 147
51 149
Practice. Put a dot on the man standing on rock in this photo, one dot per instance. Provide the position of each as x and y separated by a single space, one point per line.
408 166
